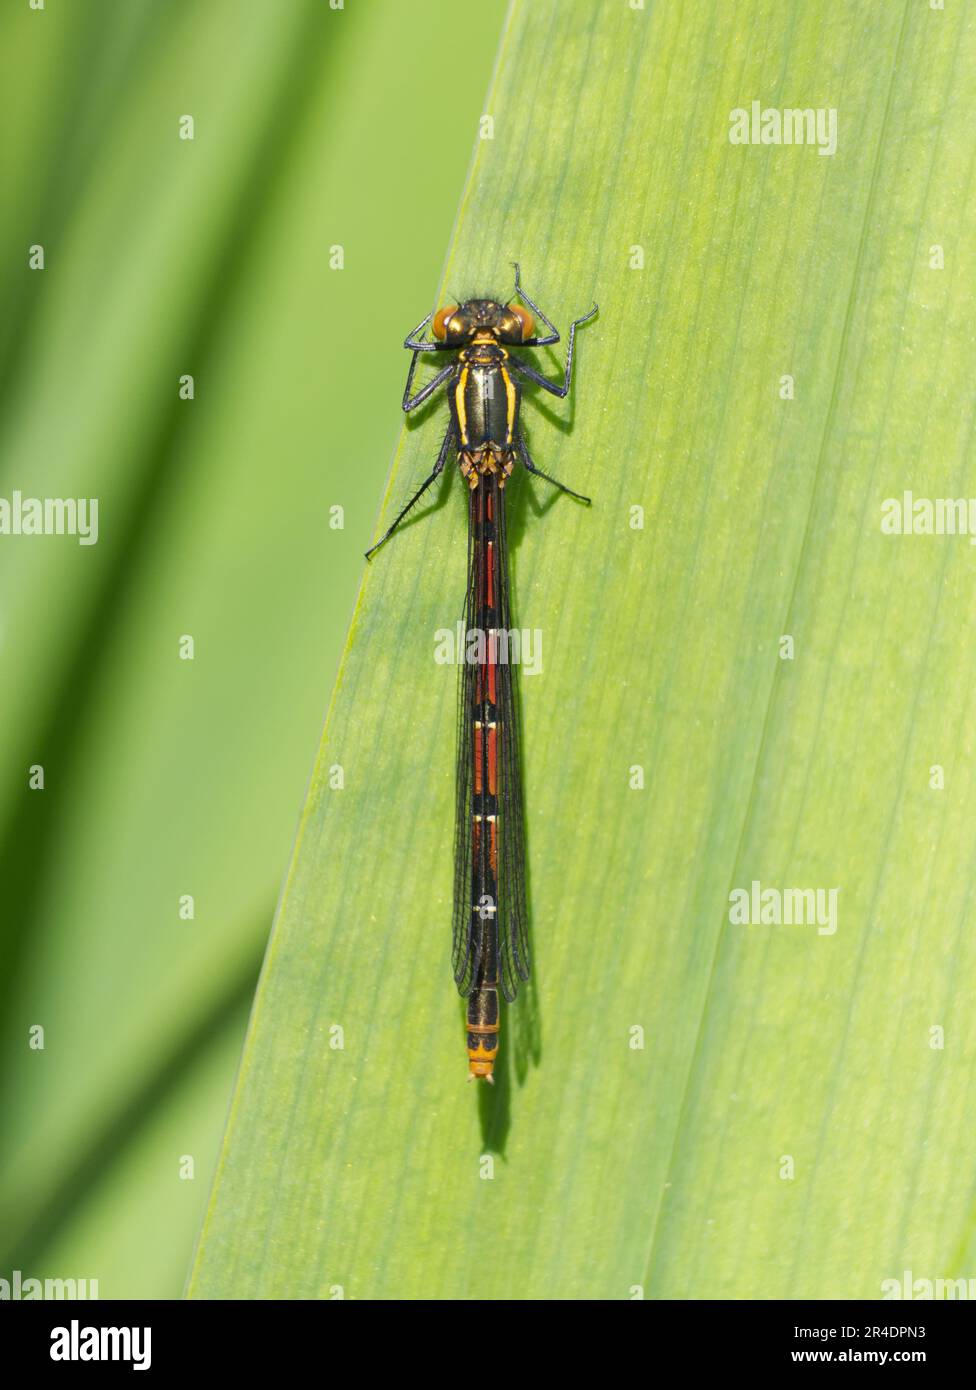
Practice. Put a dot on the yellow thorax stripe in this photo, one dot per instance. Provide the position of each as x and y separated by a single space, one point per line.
459 402
511 398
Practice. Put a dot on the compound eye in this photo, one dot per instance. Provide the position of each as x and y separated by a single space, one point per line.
439 326
525 319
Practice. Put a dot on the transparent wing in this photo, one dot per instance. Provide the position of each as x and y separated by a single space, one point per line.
513 942
467 946
477 879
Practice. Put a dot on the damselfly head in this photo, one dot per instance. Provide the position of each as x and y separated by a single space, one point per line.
458 324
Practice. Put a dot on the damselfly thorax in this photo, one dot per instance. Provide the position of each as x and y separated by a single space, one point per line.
484 408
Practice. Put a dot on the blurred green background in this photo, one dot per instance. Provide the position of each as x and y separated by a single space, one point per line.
314 128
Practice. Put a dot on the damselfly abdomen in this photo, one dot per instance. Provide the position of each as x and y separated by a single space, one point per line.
485 436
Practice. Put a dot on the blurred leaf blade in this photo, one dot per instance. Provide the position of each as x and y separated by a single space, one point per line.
167 777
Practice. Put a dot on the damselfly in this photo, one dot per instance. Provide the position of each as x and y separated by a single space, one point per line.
485 436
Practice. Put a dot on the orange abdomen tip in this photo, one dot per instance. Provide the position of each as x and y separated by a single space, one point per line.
481 1059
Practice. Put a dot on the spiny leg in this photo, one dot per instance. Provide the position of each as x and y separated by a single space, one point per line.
553 336
411 402
530 467
416 344
437 469
553 330
557 388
